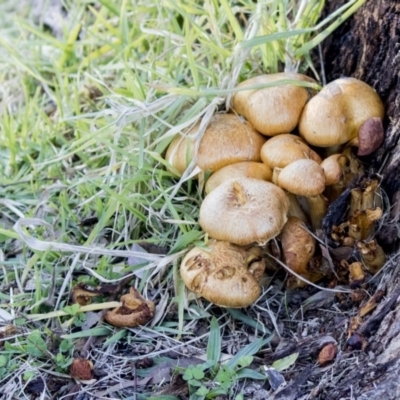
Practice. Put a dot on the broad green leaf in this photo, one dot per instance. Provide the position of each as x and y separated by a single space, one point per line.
249 350
198 373
202 391
3 361
214 342
286 362
250 374
245 361
72 310
36 346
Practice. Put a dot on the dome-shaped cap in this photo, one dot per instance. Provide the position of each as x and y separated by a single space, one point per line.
228 139
243 169
272 110
243 211
335 115
302 177
281 150
224 274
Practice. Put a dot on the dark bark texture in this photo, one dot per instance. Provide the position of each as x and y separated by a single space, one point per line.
367 47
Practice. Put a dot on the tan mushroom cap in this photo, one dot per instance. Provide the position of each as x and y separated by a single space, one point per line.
180 152
281 150
135 310
243 169
335 115
243 211
224 274
333 167
302 177
228 139
272 110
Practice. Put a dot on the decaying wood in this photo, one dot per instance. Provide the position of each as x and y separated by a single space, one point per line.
367 47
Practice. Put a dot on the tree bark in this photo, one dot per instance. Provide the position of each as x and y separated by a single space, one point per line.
367 47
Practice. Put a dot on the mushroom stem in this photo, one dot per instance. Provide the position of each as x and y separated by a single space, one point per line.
362 223
294 208
372 255
275 175
367 196
318 206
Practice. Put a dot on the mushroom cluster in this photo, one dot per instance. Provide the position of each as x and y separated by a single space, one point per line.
277 160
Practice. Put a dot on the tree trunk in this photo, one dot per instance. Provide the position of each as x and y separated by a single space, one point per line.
367 47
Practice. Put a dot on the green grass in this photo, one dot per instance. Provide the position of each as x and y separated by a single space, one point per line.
84 120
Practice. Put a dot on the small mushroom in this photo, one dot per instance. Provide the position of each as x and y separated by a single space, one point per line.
281 150
82 294
336 115
227 140
244 169
306 178
224 274
343 169
244 211
134 311
298 247
81 369
333 168
276 109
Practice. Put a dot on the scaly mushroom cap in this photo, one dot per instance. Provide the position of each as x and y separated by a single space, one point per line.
282 150
272 110
244 169
334 116
224 274
243 211
227 140
302 177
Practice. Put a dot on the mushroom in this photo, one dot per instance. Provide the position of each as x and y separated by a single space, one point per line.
245 169
81 369
345 110
340 170
82 294
180 152
298 247
243 211
333 167
283 149
227 140
276 109
224 274
134 311
306 178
